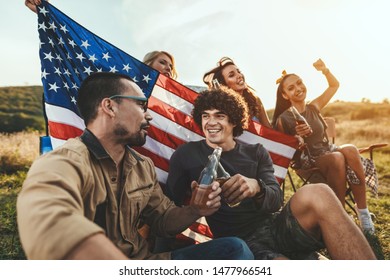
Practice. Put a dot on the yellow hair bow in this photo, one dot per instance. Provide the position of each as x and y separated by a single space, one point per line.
284 73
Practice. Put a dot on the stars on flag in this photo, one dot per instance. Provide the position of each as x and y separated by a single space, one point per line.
42 26
69 54
63 28
60 41
57 71
126 68
58 57
106 56
80 56
73 99
43 11
85 44
52 26
87 70
51 42
146 78
66 72
92 58
48 56
113 69
44 74
72 43
53 87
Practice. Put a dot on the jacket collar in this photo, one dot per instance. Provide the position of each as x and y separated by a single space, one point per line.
94 146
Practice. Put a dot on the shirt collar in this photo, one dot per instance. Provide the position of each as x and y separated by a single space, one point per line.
94 146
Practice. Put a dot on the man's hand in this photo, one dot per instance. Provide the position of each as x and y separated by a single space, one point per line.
31 4
239 187
213 200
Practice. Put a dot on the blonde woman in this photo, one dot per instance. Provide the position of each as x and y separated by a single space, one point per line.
163 62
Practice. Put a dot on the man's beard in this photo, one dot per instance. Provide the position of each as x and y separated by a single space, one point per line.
137 139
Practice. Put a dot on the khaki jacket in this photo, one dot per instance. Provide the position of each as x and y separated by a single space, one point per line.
74 192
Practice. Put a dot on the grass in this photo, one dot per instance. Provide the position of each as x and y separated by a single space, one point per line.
379 206
18 150
10 247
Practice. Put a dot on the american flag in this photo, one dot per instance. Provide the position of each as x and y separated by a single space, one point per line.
69 53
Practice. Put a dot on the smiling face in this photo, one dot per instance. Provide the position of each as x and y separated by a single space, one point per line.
217 129
294 89
233 77
163 64
131 119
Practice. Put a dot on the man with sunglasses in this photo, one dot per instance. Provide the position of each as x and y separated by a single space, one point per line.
85 199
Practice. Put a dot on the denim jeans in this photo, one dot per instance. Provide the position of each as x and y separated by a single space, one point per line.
225 248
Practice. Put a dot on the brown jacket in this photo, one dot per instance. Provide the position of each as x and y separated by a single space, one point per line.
74 192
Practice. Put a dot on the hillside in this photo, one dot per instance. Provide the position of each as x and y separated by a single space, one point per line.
21 109
361 123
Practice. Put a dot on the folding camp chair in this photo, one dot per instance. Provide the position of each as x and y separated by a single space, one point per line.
313 175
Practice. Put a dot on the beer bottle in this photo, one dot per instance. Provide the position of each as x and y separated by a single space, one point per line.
216 84
206 177
223 176
209 172
299 119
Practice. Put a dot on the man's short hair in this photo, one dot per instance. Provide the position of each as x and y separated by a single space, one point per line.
95 88
225 100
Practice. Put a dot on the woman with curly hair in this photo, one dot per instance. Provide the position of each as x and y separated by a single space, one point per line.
228 74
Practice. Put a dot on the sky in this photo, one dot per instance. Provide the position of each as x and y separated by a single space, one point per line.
263 38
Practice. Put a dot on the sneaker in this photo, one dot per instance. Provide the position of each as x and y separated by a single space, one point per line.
366 223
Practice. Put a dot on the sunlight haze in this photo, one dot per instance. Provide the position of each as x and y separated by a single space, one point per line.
262 37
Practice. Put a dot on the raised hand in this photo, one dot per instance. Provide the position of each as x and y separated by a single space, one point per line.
31 4
319 65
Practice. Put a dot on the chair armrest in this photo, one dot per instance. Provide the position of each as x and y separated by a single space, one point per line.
371 148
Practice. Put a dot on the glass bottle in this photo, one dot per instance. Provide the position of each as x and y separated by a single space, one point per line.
206 177
216 84
223 176
299 119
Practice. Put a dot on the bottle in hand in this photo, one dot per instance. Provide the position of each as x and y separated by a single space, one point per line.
223 176
207 176
299 119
